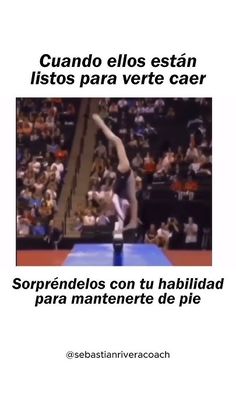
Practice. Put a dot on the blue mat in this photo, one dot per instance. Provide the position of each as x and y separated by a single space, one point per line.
103 255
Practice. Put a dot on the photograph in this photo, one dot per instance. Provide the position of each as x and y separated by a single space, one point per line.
114 181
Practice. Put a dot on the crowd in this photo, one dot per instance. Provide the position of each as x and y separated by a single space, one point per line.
44 132
173 235
168 142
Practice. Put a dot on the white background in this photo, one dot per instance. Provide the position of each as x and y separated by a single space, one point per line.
198 381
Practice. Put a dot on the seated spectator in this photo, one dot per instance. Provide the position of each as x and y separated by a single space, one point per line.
30 215
149 108
34 135
98 166
191 234
144 144
61 154
109 173
39 186
170 114
122 104
139 119
191 153
168 160
47 161
53 147
27 128
34 165
163 235
52 181
137 161
201 156
49 201
58 167
45 212
26 194
149 167
38 230
195 165
159 106
149 130
23 226
34 201
113 109
151 235
50 122
39 123
26 157
88 219
55 174
100 150
133 142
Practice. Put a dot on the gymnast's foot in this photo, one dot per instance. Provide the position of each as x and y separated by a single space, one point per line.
131 226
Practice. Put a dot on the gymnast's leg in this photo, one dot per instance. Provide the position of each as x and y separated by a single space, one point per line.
131 195
123 165
123 168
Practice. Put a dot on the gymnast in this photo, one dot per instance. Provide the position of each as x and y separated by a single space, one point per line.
124 185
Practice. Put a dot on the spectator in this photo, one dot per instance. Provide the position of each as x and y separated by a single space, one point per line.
163 235
195 165
191 234
133 142
35 165
38 230
39 185
167 161
109 173
58 165
122 103
139 119
23 227
159 105
100 150
137 161
191 153
151 235
149 167
88 219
